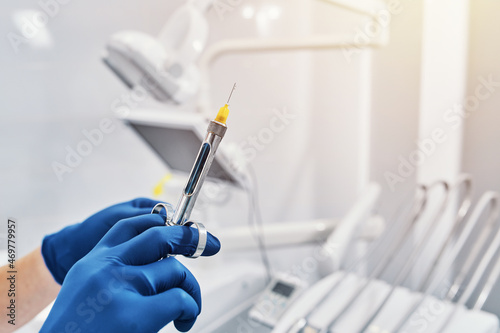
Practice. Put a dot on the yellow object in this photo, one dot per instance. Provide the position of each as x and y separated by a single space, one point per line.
158 190
223 114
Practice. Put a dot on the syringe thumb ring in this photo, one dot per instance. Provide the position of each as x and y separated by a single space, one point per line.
169 212
202 238
202 231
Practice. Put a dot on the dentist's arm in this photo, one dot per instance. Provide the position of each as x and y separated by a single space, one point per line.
34 288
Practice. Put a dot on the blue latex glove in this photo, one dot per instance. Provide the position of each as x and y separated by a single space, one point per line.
64 248
123 286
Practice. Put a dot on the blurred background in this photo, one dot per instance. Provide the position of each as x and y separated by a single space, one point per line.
361 112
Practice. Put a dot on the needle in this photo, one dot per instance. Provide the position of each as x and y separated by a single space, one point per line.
230 95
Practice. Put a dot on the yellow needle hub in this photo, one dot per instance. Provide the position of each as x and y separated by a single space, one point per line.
223 114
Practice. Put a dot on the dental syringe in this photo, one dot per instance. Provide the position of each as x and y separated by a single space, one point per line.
216 130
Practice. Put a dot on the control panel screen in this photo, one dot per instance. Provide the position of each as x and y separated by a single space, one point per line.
181 155
283 289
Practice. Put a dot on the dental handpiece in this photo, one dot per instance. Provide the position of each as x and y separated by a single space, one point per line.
215 133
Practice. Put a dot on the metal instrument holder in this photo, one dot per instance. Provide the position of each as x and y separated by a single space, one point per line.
407 267
447 262
481 259
418 206
493 224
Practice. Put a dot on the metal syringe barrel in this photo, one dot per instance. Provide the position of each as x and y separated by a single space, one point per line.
215 133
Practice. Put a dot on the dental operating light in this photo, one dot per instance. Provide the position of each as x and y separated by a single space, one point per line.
163 65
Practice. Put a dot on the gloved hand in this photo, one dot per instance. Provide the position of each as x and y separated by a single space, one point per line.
123 286
64 248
